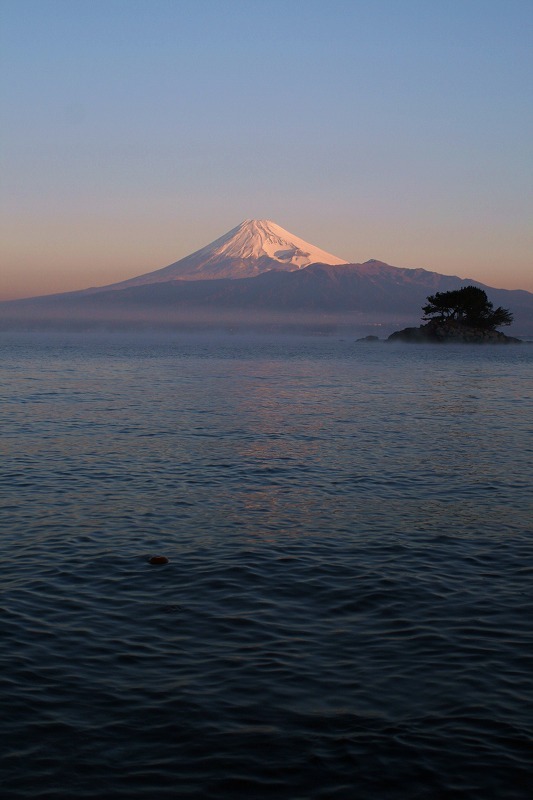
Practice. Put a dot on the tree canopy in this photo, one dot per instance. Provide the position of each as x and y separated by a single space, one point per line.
470 306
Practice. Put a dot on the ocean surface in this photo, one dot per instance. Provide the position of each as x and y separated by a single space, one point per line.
347 608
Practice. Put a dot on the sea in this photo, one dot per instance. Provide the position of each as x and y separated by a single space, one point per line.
346 607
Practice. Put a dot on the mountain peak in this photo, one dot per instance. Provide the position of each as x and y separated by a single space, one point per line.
253 247
257 238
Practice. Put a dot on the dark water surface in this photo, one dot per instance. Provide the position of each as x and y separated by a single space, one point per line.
347 609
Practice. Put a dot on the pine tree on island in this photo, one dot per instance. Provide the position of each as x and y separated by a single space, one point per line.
469 306
462 315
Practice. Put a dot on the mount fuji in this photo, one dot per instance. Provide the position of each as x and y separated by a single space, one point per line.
259 274
253 247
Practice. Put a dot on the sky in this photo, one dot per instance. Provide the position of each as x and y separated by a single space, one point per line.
134 132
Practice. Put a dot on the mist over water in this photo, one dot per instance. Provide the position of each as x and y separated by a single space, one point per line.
347 607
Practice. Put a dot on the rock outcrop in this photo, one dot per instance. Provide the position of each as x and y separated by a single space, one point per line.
451 331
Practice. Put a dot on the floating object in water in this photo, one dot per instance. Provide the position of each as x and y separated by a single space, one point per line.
158 560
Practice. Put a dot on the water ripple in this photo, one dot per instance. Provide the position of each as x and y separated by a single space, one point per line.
347 607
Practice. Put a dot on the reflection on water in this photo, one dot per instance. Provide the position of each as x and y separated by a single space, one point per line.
346 609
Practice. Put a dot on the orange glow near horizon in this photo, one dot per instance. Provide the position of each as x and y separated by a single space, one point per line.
61 259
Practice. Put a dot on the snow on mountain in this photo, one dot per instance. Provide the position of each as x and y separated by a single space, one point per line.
255 238
253 247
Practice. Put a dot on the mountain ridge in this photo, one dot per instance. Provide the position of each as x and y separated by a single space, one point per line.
281 285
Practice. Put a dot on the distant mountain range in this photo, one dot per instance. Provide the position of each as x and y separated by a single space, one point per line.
259 273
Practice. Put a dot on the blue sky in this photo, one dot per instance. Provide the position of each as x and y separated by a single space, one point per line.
135 132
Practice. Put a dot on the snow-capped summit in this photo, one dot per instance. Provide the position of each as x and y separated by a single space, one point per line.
253 247
257 238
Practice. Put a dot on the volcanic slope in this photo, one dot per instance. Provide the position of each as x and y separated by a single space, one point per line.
252 248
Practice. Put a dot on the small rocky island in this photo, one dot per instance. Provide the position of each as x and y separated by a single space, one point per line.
464 315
